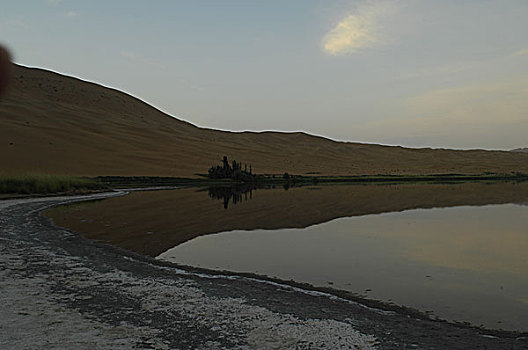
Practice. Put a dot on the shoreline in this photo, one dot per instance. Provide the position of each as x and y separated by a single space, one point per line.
304 180
390 330
145 183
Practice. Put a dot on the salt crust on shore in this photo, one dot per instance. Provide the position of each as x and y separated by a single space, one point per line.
34 315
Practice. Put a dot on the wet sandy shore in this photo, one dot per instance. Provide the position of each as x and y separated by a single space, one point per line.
62 291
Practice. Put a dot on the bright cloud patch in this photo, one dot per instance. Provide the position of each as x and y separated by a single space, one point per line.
349 35
358 30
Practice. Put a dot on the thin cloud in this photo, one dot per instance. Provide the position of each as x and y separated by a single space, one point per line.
361 29
492 114
141 59
519 53
13 24
71 14
491 103
53 2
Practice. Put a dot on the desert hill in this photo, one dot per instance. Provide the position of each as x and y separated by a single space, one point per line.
51 123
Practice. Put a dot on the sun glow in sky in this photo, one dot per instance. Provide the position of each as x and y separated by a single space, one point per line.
418 73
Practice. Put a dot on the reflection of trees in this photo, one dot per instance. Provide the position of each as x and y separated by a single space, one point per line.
241 191
235 193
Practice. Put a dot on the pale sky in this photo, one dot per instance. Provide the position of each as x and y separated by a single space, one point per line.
417 73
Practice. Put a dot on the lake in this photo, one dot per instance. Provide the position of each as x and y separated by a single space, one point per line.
455 251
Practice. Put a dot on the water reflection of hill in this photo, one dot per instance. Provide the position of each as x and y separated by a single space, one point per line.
152 222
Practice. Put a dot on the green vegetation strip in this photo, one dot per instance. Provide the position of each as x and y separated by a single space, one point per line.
47 184
51 184
298 180
418 178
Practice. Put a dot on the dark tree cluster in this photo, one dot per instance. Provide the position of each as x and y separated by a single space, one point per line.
231 171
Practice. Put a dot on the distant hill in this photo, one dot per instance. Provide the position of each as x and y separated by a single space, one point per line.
51 123
522 150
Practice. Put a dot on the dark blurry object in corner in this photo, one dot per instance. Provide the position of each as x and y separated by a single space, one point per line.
5 70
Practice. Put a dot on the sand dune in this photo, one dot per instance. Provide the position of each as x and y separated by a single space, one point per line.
50 123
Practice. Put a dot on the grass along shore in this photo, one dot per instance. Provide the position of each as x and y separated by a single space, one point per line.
47 184
37 184
300 180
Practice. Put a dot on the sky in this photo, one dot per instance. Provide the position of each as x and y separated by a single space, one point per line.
416 73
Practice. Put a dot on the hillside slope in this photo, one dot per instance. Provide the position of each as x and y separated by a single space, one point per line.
51 123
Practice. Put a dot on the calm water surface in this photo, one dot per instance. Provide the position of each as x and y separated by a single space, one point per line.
463 263
458 252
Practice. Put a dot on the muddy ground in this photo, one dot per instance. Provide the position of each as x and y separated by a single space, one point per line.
62 291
